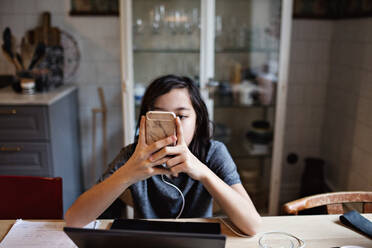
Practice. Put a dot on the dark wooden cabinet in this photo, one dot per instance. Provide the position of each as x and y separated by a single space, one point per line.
43 140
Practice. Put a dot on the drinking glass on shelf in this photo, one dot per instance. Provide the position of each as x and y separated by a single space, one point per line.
157 18
195 20
138 26
178 20
232 32
218 33
188 23
171 21
241 37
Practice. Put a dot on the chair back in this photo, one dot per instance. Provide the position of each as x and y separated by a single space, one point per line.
30 197
333 202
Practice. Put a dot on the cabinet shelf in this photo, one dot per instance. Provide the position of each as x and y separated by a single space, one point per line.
246 50
166 51
196 51
237 105
239 149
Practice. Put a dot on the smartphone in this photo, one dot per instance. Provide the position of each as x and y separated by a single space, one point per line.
159 125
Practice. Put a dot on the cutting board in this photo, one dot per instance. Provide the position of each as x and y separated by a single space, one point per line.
50 36
49 70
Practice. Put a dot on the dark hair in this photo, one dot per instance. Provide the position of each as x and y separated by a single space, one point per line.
163 85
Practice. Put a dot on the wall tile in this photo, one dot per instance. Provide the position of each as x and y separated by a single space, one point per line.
108 72
367 59
325 30
32 21
53 6
366 84
367 30
363 108
15 23
295 95
7 7
86 74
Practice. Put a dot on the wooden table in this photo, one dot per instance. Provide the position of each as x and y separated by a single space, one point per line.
316 230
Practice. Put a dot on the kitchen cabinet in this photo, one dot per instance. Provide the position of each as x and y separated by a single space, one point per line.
39 136
236 51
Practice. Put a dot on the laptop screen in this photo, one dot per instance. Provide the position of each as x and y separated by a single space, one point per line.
128 238
167 226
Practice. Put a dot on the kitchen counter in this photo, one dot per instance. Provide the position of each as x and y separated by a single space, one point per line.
8 96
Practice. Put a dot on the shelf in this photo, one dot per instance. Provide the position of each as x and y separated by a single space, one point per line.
246 50
239 149
196 51
237 105
192 51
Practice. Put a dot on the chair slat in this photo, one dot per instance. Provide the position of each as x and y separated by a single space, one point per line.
367 207
335 209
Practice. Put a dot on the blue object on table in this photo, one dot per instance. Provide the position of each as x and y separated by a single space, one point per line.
354 220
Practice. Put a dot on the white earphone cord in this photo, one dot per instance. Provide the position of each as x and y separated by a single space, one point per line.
183 198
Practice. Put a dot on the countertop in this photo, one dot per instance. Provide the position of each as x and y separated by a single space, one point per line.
9 97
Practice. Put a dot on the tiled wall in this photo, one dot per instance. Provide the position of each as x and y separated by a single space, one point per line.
99 44
347 134
329 112
308 76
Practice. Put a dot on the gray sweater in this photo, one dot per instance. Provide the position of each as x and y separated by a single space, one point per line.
155 199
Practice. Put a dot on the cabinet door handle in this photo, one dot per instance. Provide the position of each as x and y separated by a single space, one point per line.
8 111
10 149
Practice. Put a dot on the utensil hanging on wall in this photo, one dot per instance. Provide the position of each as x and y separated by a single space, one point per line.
27 51
9 49
37 56
95 112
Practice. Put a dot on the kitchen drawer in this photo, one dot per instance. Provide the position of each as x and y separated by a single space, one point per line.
24 159
23 123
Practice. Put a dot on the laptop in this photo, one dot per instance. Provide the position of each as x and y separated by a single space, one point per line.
154 234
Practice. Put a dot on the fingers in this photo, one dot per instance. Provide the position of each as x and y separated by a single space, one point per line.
175 161
160 171
166 151
159 162
142 134
179 131
161 143
176 170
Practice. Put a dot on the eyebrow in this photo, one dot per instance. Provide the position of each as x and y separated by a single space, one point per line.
177 109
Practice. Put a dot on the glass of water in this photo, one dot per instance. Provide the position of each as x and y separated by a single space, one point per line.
280 240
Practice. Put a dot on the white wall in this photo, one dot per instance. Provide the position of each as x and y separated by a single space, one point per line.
329 105
98 40
308 77
347 139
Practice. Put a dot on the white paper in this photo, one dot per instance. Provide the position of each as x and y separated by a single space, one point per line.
39 234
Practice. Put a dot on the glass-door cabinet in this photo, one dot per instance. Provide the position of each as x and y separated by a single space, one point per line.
237 51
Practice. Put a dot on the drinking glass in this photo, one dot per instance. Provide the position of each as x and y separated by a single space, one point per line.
157 18
280 240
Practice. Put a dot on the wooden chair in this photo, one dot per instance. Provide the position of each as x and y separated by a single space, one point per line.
29 197
332 201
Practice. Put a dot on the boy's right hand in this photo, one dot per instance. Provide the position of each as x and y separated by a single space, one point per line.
139 166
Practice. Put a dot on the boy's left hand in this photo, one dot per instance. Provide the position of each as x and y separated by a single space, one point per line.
183 160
